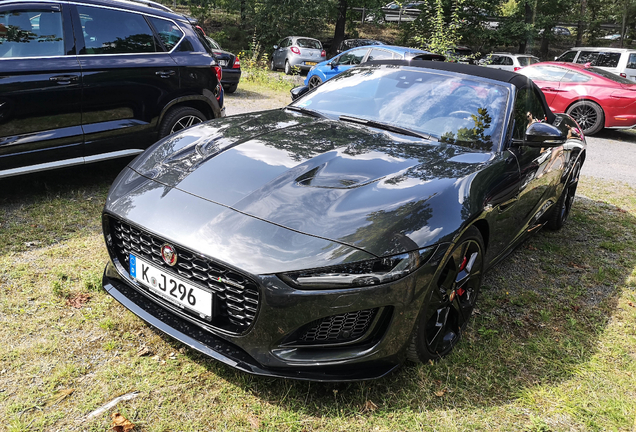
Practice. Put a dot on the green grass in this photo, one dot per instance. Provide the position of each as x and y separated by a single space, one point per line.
552 346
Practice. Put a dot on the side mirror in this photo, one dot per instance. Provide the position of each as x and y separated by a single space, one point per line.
555 58
542 135
275 47
297 92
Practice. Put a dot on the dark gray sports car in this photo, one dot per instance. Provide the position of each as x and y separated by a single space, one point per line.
347 232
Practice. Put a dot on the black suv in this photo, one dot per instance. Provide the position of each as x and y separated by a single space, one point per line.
91 80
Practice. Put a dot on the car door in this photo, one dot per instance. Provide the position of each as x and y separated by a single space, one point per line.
346 61
40 88
539 167
127 77
280 53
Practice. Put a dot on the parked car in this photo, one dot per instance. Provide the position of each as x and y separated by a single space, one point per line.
347 44
594 97
402 12
348 59
460 54
559 31
621 61
508 61
297 52
91 80
230 64
334 238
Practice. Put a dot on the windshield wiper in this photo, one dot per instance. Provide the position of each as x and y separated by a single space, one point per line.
385 126
307 111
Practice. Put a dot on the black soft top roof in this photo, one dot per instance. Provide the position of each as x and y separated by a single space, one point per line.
518 80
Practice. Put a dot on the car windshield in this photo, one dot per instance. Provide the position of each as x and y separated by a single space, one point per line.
448 107
525 61
609 75
309 43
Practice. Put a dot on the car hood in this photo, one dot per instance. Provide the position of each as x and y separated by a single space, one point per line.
374 191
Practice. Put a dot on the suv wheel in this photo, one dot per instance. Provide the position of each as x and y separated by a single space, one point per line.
179 118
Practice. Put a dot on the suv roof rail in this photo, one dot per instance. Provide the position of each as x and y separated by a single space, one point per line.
152 4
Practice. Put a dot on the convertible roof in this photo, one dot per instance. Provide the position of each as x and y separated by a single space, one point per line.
518 80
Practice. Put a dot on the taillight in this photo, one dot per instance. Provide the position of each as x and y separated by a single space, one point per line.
218 71
517 68
237 63
323 53
295 50
624 75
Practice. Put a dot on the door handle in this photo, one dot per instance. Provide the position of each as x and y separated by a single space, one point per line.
64 79
165 73
552 89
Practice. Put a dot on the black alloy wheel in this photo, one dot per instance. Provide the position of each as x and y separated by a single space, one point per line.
314 81
451 300
179 118
589 115
564 204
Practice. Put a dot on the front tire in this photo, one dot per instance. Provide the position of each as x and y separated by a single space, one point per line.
314 81
563 206
589 115
179 118
272 66
450 301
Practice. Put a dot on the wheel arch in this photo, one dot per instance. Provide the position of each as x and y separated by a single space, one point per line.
200 103
484 230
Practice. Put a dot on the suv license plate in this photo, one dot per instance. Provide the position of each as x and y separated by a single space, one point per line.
171 288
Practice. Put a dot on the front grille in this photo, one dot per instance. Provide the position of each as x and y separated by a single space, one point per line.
236 298
338 328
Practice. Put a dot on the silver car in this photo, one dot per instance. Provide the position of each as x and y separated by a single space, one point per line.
297 51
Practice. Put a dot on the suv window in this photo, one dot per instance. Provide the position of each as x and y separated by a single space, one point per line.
631 63
169 33
567 57
587 57
608 59
377 54
31 33
109 31
528 110
506 61
525 61
352 58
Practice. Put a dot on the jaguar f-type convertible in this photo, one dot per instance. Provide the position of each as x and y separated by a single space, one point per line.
335 238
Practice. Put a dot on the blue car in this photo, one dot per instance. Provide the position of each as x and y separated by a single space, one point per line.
327 69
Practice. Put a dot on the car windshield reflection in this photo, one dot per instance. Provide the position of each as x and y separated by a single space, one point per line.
446 107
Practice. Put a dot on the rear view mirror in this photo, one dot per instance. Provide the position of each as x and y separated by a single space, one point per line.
542 135
297 92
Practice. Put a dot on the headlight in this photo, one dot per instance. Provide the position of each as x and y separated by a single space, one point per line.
359 273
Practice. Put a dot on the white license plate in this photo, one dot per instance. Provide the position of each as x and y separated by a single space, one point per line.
223 62
174 289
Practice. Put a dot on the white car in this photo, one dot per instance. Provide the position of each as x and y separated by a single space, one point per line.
508 61
620 61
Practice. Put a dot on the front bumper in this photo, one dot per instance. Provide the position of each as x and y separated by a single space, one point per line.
263 349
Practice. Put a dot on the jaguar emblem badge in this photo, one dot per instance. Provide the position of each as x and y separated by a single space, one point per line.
169 254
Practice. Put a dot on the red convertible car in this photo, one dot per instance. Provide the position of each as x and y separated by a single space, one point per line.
594 97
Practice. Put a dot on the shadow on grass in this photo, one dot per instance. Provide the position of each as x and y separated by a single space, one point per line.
540 315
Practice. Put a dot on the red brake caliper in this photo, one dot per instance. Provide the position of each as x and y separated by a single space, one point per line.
461 291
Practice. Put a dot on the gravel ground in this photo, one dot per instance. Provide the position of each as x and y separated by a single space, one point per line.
611 153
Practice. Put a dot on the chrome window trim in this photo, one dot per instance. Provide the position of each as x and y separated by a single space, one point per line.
143 14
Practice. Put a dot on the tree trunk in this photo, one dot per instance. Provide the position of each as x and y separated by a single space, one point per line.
242 11
545 42
339 34
528 21
580 28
